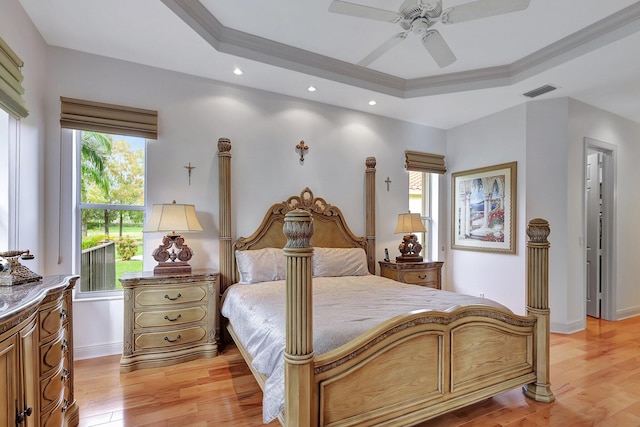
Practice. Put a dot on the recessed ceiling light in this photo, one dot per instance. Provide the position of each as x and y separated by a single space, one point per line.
372 102
312 89
238 72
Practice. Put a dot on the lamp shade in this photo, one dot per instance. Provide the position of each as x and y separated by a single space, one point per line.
172 218
409 223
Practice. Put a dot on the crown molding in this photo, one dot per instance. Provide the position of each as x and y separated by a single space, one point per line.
227 40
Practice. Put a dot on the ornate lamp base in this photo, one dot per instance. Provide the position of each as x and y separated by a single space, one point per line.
410 249
172 268
409 258
172 262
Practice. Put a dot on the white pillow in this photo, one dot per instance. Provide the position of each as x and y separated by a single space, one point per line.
336 262
261 265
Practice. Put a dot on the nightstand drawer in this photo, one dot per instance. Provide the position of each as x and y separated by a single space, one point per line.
163 318
413 273
420 277
170 338
170 295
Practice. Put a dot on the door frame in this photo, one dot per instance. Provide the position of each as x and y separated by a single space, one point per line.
609 192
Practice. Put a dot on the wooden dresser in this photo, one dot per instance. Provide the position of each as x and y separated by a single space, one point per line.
415 273
169 318
36 353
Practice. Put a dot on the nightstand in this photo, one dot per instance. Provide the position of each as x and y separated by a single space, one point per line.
414 273
169 318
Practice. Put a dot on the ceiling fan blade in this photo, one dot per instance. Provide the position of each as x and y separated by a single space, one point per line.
482 9
438 48
382 49
361 11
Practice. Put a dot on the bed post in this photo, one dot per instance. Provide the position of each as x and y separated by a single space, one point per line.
224 178
298 354
371 213
538 306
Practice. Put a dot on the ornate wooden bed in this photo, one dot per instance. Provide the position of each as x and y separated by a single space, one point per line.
410 368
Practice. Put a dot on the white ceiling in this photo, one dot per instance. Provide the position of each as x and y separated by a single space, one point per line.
583 47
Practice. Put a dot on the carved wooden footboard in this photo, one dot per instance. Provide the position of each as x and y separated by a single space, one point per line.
419 366
412 367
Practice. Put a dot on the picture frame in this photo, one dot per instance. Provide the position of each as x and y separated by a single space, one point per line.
484 209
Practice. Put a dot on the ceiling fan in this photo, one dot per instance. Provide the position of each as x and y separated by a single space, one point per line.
418 16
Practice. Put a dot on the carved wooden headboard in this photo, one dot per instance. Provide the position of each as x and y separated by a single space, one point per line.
331 229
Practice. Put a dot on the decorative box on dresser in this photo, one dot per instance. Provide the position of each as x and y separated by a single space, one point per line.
169 318
36 353
415 273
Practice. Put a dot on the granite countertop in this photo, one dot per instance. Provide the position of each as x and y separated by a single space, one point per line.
149 275
16 298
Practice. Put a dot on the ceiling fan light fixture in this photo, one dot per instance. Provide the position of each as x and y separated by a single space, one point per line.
418 16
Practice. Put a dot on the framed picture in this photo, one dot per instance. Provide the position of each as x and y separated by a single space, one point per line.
484 209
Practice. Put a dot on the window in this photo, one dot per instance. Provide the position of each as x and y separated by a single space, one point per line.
425 170
5 180
110 191
420 201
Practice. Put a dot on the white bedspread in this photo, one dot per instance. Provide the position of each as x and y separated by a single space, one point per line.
343 308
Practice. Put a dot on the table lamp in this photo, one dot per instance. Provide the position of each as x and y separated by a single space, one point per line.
410 248
172 254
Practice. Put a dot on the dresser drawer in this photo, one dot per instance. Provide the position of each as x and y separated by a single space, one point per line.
52 388
51 320
51 354
54 417
163 318
168 296
171 338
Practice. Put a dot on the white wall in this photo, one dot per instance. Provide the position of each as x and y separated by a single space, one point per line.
499 138
20 34
624 135
547 194
547 138
264 129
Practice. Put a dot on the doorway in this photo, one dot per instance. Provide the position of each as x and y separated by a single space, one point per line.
599 229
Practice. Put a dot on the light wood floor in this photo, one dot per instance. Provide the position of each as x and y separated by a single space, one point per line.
595 376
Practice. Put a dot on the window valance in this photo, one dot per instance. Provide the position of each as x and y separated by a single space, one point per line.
108 118
424 162
11 89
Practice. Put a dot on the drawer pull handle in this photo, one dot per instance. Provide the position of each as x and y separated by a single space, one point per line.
21 416
422 277
65 375
64 407
174 319
63 314
65 345
172 299
170 340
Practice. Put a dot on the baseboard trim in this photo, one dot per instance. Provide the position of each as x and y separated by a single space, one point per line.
91 351
568 328
628 313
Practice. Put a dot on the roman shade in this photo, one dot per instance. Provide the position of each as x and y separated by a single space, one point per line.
11 89
108 118
424 162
